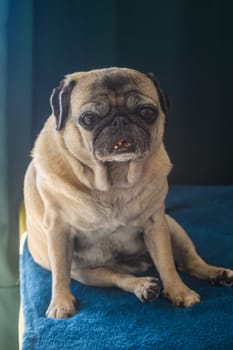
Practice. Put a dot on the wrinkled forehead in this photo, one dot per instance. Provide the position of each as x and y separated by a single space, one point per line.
118 82
114 85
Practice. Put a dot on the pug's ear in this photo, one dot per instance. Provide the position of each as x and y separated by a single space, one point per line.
60 102
163 97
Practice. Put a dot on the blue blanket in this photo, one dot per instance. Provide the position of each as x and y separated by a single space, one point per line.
110 319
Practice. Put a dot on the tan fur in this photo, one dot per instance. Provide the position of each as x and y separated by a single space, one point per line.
71 196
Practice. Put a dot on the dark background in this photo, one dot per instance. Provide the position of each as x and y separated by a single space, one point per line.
187 44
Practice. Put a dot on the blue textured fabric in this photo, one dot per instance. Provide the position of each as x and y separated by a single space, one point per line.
113 319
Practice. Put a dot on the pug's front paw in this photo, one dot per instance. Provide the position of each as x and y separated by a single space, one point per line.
62 307
182 297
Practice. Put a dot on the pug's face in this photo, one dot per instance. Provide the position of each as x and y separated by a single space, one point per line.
118 112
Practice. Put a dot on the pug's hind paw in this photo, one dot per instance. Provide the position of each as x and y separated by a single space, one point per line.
62 308
223 278
147 288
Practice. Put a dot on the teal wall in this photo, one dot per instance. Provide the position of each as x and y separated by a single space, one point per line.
15 135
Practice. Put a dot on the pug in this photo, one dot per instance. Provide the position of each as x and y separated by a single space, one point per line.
95 192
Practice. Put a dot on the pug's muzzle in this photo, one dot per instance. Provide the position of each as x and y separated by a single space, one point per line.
121 138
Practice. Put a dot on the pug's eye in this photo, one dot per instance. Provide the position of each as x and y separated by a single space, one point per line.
88 120
149 113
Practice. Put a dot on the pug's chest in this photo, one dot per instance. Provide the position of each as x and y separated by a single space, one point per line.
112 229
129 207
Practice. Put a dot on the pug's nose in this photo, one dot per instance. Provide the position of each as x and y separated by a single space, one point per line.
120 122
